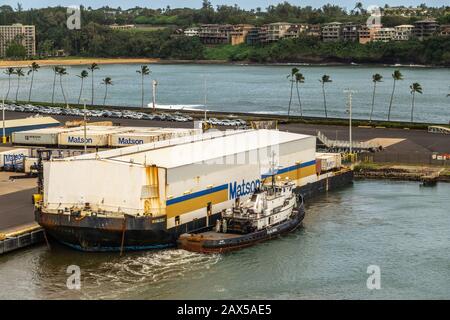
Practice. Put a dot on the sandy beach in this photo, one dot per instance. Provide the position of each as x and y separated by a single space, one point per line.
75 61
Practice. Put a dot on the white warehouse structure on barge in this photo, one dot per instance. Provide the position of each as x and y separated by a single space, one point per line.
145 196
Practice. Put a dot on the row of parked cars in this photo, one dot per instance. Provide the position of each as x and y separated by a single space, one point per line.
123 114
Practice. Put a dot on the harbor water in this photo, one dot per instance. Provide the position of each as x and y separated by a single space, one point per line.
248 88
400 227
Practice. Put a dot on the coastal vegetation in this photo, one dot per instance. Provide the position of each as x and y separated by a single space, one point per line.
157 37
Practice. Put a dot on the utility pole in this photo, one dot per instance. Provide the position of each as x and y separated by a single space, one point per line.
154 84
3 117
204 80
349 105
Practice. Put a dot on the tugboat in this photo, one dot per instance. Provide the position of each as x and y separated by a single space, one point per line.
272 210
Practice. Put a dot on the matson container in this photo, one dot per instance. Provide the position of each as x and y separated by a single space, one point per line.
46 136
94 138
329 161
28 163
134 138
13 158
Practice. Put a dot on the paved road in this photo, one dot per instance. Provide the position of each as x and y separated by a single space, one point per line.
415 140
16 209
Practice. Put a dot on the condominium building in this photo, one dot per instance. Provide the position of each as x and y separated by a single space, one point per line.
215 33
192 32
23 34
350 32
257 35
122 27
314 30
445 30
239 33
425 28
277 30
366 34
384 34
332 32
403 32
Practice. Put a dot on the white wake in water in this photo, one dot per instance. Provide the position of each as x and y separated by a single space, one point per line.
142 270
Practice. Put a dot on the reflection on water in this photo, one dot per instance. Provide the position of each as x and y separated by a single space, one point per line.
398 226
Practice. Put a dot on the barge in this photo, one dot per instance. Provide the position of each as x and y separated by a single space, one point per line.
146 196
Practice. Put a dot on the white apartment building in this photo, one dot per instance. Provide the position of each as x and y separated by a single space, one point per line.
277 30
191 32
403 32
25 34
384 34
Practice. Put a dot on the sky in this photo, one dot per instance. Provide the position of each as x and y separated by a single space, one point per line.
247 4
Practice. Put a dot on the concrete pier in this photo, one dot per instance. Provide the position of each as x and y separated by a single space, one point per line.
17 226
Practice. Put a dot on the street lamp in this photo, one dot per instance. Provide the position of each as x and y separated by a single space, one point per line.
154 84
349 105
84 124
3 117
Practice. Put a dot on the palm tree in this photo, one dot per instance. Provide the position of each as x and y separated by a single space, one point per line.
62 72
144 71
375 79
299 78
291 78
92 68
55 72
397 75
415 87
107 81
83 74
9 72
33 68
325 79
19 72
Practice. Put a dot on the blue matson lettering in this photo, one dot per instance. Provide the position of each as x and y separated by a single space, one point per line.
130 141
243 189
78 140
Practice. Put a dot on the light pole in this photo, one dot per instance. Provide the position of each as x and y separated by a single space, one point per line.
84 123
3 117
349 105
204 79
154 84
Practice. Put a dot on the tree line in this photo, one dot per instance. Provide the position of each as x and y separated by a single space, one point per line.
96 39
59 72
297 78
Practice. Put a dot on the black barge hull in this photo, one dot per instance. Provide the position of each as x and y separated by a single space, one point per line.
101 233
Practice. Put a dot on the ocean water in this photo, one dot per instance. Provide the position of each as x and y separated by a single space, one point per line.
258 89
398 226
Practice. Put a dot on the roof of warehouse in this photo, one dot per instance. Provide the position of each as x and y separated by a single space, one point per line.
30 121
207 149
151 146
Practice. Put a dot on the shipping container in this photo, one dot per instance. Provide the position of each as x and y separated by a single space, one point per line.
46 136
329 161
134 138
29 123
13 158
29 165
